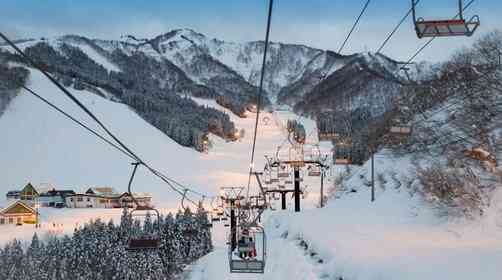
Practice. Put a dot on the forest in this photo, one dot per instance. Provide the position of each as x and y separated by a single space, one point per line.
142 84
97 250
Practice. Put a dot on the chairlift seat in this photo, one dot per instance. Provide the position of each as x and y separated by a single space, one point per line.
141 244
444 28
343 161
283 174
314 173
327 136
400 130
247 266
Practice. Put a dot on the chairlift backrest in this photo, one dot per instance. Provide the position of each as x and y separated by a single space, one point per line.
145 241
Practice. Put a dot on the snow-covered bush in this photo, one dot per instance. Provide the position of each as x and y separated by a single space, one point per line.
458 191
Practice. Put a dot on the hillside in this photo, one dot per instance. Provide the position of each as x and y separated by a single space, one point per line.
438 208
142 72
45 147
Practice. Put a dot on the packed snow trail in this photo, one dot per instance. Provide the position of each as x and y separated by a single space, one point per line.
285 260
397 237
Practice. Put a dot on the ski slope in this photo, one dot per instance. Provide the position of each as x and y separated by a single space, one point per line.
397 237
42 146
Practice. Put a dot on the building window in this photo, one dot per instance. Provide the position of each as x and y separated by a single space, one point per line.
80 199
2 221
11 220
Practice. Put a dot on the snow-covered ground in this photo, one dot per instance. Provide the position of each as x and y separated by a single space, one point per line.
43 147
396 237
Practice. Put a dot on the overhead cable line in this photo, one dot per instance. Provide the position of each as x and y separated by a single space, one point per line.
31 62
260 91
95 133
354 26
396 28
77 121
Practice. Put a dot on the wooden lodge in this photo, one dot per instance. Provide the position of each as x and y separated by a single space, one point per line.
18 213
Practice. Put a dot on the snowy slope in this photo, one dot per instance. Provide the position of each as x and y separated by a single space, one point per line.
45 147
97 57
79 42
396 237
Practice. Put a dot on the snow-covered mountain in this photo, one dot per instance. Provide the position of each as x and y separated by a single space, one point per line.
292 70
151 74
366 80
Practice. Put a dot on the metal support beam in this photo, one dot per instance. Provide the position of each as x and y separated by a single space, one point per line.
321 203
283 200
372 176
233 225
297 189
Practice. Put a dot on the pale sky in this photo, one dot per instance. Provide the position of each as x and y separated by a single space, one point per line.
317 23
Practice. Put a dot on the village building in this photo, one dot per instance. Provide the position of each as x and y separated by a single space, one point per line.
18 213
13 195
105 198
98 197
54 198
29 195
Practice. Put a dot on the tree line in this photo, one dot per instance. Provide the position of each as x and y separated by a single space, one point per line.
151 87
97 250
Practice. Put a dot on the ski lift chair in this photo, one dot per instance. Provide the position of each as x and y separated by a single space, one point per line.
288 180
283 172
281 185
274 175
247 244
399 131
268 180
314 171
445 27
220 212
145 242
343 154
